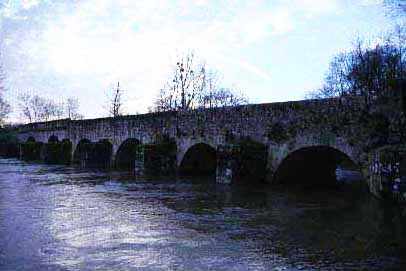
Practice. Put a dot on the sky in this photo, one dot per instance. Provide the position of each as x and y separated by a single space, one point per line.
271 50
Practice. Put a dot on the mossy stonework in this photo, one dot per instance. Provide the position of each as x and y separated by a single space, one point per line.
386 174
258 136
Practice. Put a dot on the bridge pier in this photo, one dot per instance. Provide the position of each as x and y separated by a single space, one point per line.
242 161
139 164
57 152
386 172
226 164
156 159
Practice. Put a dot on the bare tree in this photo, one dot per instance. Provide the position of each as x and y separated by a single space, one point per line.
223 97
52 110
72 108
5 108
193 86
182 91
36 108
210 92
25 107
116 105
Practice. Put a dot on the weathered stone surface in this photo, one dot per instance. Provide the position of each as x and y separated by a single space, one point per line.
343 124
157 159
387 172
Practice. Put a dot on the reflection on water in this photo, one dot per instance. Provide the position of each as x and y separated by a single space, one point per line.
61 218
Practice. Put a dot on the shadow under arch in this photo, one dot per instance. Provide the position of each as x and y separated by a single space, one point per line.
30 139
317 167
199 160
126 154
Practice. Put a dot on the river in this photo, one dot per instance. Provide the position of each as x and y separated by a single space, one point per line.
66 218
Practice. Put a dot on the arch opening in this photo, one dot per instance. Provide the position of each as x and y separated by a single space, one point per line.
126 154
319 167
199 160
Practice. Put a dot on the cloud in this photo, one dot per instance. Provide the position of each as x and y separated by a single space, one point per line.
315 7
13 8
87 45
97 40
27 4
370 2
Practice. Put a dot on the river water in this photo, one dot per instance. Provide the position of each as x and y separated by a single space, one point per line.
64 218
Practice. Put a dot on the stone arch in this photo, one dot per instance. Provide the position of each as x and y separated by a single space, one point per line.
199 160
184 145
278 152
313 165
53 139
126 154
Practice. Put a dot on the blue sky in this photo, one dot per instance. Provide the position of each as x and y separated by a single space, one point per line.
275 50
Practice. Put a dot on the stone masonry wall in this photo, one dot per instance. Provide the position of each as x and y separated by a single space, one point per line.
387 172
283 127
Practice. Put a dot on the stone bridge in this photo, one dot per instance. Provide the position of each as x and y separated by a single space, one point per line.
267 141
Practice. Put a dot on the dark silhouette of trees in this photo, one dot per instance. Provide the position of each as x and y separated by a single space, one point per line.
375 73
336 80
193 86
